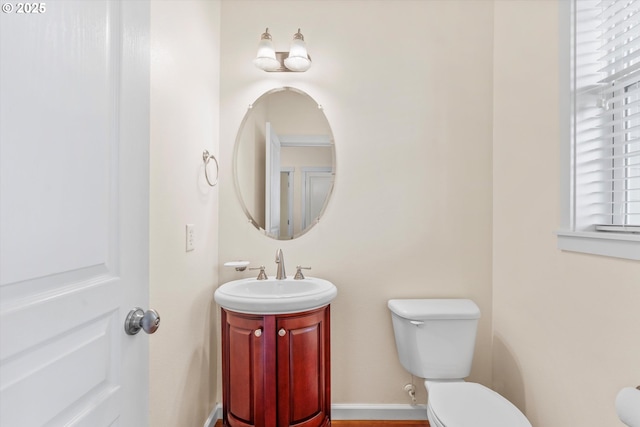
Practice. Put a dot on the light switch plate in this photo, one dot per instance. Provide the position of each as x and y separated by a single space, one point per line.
190 237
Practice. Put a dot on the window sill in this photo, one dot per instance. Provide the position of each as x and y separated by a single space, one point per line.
617 245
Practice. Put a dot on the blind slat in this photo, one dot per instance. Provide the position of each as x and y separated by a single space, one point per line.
619 41
631 155
610 136
618 179
607 9
614 31
609 55
620 63
632 69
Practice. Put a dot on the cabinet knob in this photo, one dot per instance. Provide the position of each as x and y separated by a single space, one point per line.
257 333
282 332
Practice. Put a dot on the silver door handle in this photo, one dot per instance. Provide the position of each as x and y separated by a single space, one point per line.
148 321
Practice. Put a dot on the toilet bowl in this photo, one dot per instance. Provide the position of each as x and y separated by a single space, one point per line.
435 340
466 404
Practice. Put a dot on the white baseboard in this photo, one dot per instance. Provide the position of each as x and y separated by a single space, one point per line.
364 411
214 416
355 411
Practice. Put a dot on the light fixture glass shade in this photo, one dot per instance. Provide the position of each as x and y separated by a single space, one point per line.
298 59
266 56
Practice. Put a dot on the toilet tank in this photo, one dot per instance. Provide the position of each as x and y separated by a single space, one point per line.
435 338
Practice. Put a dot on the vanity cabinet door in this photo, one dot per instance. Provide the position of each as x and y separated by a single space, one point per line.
303 369
243 370
275 369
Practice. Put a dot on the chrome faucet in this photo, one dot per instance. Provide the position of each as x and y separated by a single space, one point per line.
280 274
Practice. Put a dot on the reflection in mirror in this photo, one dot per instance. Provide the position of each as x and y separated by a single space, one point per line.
284 163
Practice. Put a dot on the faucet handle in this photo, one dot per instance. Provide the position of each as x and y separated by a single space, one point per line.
299 275
261 275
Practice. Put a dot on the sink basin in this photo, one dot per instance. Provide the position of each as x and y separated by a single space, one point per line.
273 296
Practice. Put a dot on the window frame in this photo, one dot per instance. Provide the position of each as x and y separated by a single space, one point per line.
569 238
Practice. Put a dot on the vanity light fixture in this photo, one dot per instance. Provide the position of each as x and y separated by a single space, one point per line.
266 57
297 59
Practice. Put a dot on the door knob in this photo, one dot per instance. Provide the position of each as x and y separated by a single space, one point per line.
148 321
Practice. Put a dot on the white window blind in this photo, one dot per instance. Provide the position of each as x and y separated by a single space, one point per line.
606 120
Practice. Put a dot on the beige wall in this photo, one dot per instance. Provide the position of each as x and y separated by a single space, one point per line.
184 122
406 87
565 325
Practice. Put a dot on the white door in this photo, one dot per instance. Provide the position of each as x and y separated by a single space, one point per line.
286 202
317 186
272 180
74 135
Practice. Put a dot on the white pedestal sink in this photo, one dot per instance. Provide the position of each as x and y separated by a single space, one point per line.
273 296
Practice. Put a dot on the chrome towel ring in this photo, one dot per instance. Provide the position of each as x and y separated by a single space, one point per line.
206 157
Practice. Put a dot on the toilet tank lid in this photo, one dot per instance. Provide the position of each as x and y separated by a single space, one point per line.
422 309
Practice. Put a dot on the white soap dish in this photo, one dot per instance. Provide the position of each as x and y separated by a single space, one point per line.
238 265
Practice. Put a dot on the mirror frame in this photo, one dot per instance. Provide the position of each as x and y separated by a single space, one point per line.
249 215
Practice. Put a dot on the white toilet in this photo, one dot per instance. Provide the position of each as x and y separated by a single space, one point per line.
435 339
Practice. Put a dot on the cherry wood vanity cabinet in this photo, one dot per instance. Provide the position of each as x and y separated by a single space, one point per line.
276 369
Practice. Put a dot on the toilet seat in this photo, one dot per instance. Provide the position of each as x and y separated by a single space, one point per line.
462 404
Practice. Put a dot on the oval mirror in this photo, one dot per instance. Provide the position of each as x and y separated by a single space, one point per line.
284 163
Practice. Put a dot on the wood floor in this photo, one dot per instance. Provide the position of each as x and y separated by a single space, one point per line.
369 423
